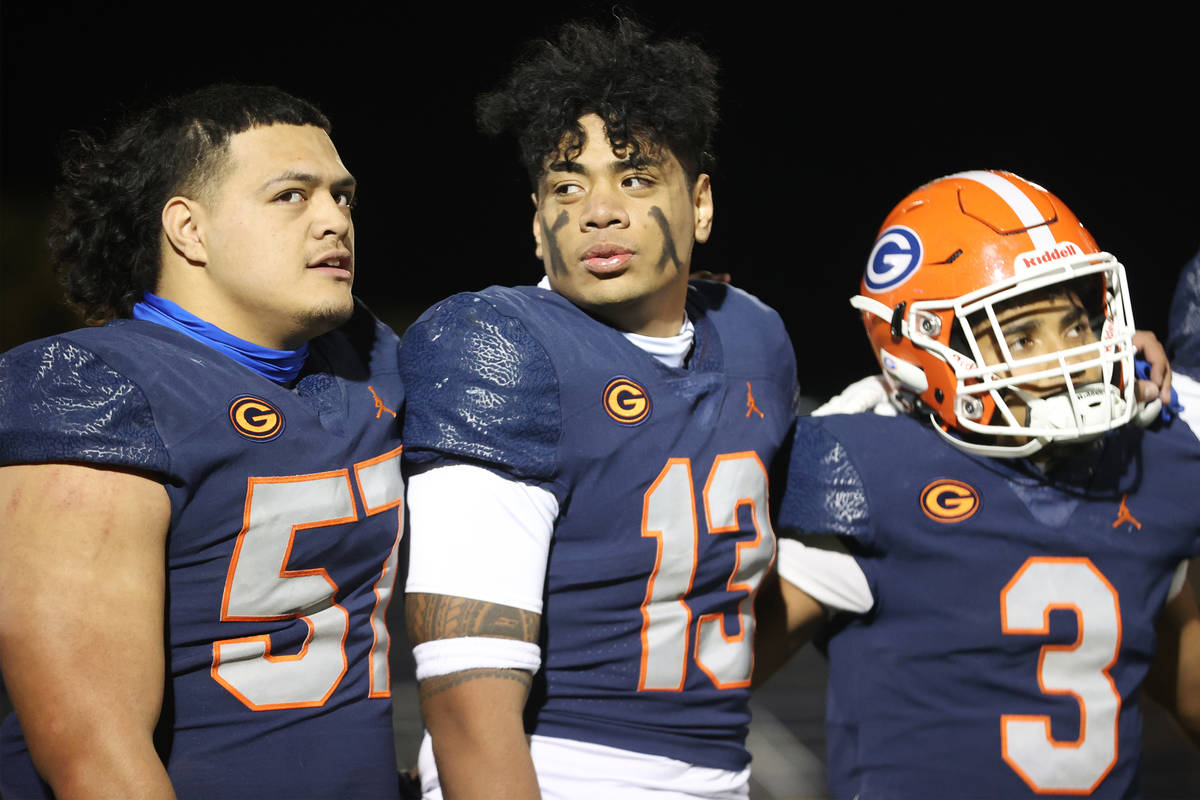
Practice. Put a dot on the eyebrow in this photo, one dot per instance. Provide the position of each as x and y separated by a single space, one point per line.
1079 313
563 165
1068 319
347 182
634 162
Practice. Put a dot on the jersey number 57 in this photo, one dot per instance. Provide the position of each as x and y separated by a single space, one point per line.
259 586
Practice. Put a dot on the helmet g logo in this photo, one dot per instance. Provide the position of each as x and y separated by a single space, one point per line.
625 401
893 260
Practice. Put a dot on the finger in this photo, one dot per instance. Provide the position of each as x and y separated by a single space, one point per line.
1151 350
1164 393
1155 355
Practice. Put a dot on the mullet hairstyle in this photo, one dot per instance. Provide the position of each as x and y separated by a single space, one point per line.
105 231
650 96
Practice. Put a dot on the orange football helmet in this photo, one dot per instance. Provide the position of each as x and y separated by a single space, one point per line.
946 258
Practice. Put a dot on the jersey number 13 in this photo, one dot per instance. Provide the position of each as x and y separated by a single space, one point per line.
669 515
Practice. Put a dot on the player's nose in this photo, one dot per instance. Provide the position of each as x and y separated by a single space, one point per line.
604 207
330 215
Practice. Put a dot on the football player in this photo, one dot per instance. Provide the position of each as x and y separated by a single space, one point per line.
589 457
995 557
202 495
1176 672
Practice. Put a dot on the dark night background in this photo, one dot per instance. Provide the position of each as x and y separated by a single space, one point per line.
827 123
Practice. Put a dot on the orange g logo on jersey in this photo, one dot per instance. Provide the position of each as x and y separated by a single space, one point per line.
949 501
626 401
255 418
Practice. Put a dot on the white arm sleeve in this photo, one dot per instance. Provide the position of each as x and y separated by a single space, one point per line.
476 534
835 580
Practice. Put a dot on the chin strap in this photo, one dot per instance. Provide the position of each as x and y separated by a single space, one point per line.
1093 404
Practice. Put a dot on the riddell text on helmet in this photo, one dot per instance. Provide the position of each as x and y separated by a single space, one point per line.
1036 258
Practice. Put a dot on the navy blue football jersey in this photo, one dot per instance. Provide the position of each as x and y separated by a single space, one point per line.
1183 323
660 473
1014 612
286 513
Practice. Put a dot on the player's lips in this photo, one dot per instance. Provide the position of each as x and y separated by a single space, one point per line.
336 260
606 258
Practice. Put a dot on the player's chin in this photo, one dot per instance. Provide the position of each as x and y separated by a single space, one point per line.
324 317
615 291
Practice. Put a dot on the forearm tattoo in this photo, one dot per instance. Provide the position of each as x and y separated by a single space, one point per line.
436 685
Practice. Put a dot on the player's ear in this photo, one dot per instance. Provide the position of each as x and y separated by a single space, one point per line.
702 207
537 228
181 222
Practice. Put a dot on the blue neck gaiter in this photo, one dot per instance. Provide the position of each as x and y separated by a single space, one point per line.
280 366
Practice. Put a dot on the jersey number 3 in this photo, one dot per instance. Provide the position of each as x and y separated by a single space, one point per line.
669 515
260 586
1079 670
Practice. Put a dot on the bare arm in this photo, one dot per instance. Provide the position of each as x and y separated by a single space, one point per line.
787 617
1174 679
82 584
475 716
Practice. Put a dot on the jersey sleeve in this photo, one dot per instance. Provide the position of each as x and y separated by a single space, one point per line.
1183 322
61 402
480 389
825 507
823 492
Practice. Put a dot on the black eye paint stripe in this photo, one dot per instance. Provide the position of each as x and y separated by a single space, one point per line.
550 241
668 240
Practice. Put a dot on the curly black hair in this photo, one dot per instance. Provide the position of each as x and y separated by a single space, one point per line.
105 230
649 95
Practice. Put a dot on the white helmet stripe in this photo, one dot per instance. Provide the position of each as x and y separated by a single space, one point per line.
1021 205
